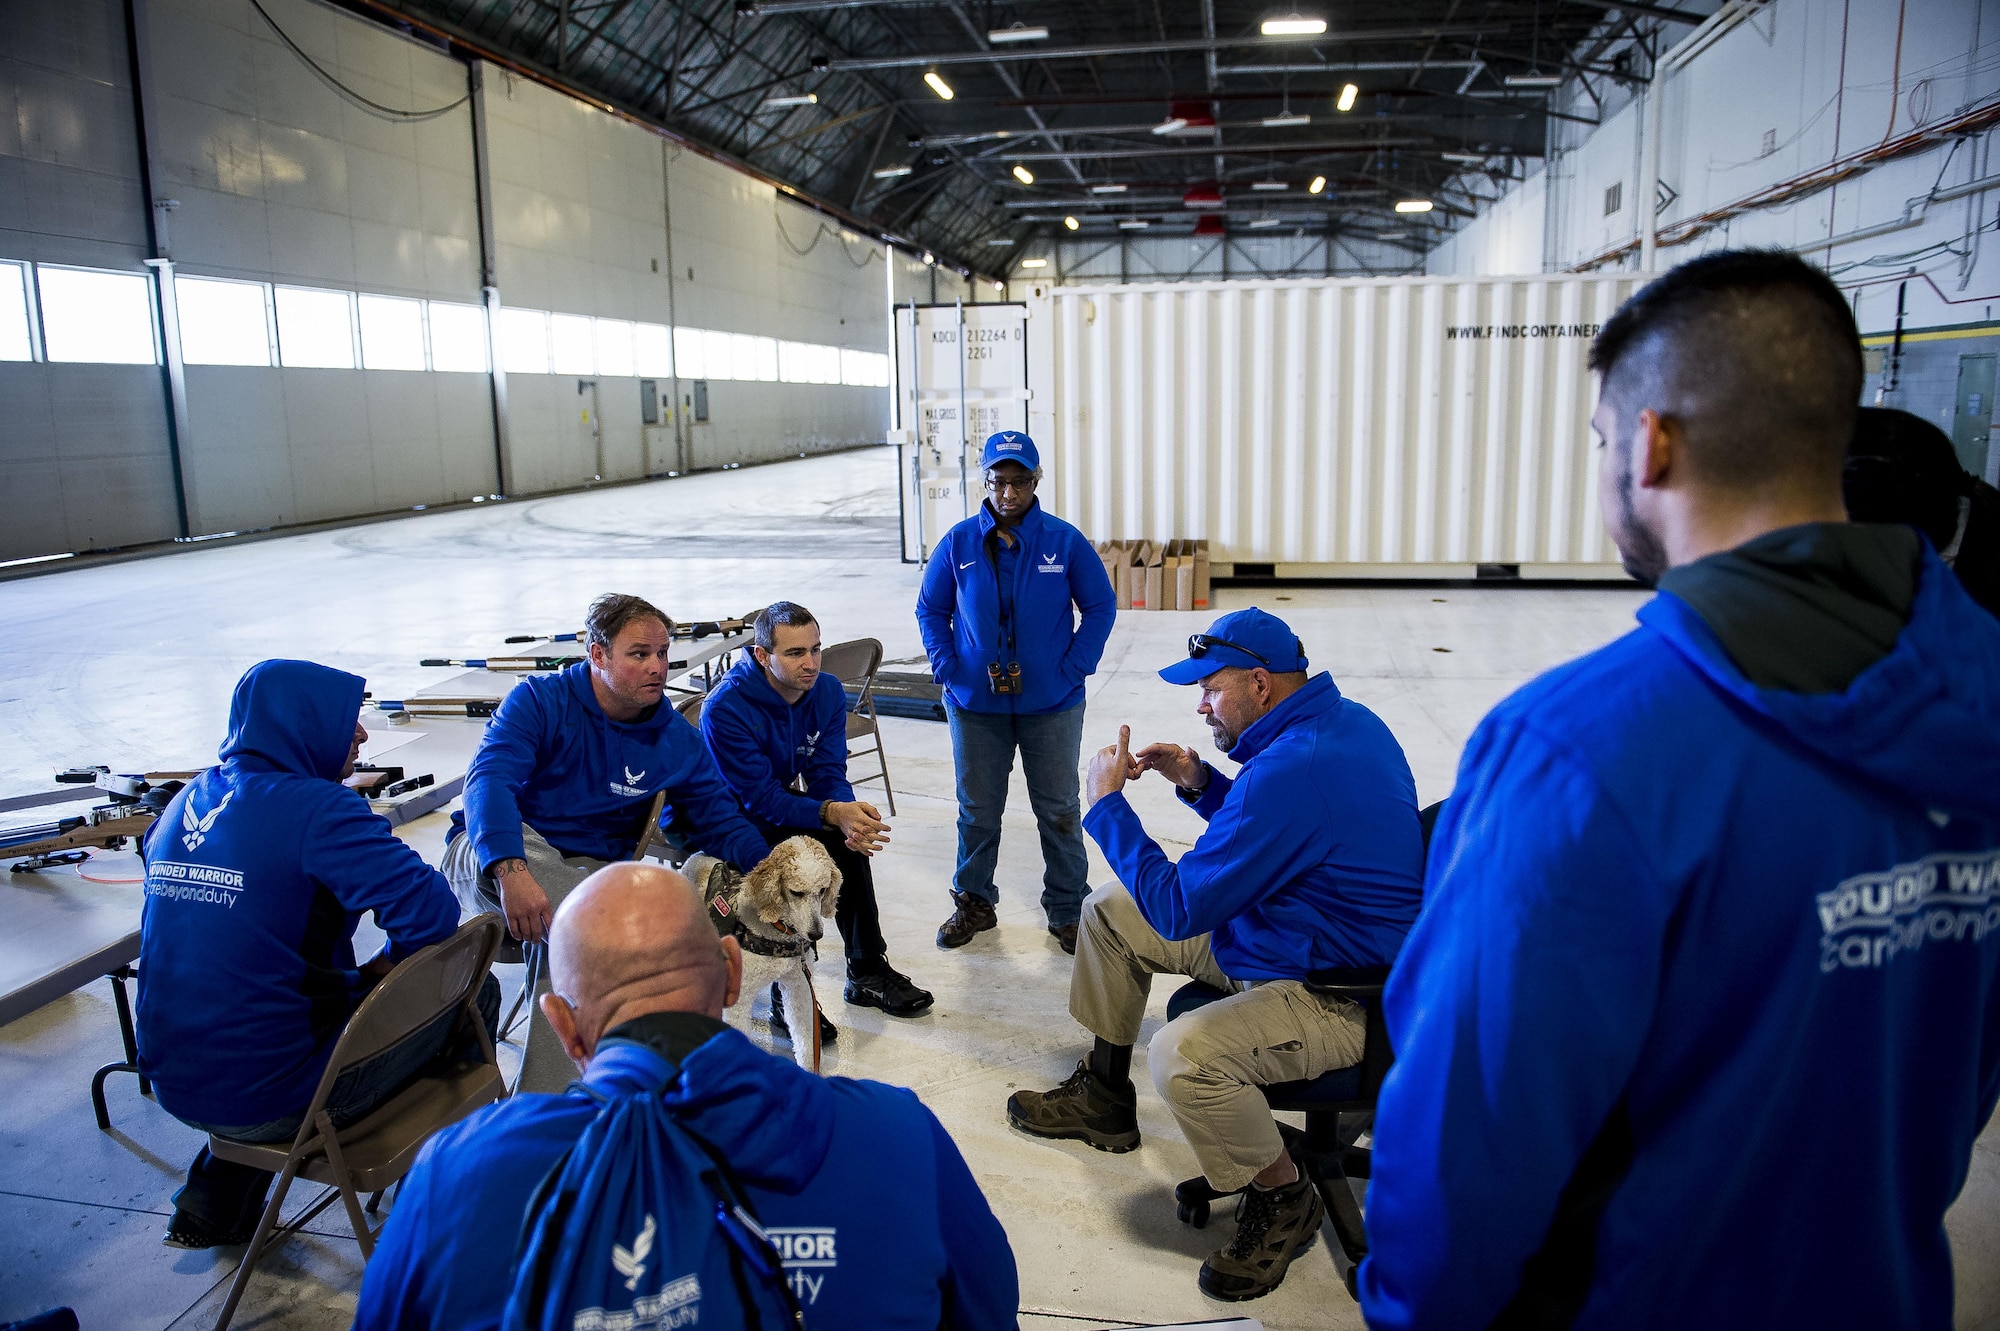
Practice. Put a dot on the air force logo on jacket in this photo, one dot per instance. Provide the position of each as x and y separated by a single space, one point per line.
631 787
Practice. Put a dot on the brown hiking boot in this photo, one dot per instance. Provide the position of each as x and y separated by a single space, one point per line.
1081 1109
970 916
1065 936
1271 1228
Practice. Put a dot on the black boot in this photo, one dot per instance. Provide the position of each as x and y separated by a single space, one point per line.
876 983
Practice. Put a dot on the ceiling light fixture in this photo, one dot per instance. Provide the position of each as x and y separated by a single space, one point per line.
1413 205
1170 125
1347 95
1287 120
1293 24
999 286
1318 184
1134 224
1107 189
1533 80
1270 186
999 240
1470 159
799 99
930 258
1034 263
1023 174
1018 32
938 85
1071 223
1263 223
886 172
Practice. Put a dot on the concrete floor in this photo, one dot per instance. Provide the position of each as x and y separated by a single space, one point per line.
131 665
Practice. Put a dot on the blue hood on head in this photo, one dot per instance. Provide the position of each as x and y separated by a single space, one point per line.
294 716
772 1120
1924 721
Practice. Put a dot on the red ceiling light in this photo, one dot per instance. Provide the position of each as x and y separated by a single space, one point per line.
1203 196
1209 225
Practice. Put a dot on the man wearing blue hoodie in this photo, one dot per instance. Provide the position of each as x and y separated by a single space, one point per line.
256 875
1702 1016
1014 611
878 1221
1311 859
776 726
564 778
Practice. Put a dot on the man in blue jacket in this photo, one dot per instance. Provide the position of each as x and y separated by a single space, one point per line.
563 780
776 726
1014 612
1703 1013
1312 858
256 875
879 1222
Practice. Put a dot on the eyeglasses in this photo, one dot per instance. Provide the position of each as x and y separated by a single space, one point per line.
1000 485
1200 644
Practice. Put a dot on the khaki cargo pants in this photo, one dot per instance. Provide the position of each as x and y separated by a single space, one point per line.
1209 1063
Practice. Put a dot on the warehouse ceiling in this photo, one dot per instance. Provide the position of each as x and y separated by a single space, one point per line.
1106 118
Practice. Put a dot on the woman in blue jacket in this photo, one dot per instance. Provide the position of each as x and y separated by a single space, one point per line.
1015 610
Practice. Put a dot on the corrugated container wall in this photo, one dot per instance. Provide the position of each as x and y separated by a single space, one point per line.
1377 425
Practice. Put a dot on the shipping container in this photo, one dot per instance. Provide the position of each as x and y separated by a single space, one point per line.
1346 427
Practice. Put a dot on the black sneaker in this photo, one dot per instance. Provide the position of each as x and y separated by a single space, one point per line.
1065 936
878 984
1272 1227
970 916
1081 1109
194 1234
828 1033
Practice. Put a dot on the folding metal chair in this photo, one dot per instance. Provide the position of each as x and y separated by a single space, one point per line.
854 664
374 1153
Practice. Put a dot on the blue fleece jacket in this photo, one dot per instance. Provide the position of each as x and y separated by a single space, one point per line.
1312 857
256 875
879 1221
552 759
1739 945
959 613
761 744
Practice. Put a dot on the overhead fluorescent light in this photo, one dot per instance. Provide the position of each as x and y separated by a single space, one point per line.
1270 186
1471 159
1134 224
999 240
1071 223
1318 184
1263 223
798 99
999 286
1107 189
938 85
1533 80
930 258
1023 174
1019 32
1170 125
1348 93
1413 205
1294 25
884 173
1034 263
34 559
1286 120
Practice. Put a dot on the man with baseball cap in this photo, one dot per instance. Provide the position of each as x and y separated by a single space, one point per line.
1312 858
999 614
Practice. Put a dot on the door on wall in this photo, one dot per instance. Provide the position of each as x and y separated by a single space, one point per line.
1972 421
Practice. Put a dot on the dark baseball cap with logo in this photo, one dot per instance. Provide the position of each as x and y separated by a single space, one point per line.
1009 446
1252 639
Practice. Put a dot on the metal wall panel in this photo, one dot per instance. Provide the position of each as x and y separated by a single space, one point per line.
1398 421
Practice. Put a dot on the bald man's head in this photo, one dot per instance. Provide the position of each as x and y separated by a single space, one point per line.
630 940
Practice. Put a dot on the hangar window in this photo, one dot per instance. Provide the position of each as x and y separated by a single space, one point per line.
808 363
315 329
572 344
223 323
865 369
392 333
89 315
652 350
691 353
458 337
15 343
614 348
524 341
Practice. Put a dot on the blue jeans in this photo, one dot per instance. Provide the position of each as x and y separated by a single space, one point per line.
225 1195
982 751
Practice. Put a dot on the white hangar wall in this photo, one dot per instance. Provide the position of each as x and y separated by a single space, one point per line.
280 183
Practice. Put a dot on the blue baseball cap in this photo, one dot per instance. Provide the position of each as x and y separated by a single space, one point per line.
1249 638
1009 446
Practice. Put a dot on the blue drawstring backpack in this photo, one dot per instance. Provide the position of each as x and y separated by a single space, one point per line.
643 1227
